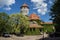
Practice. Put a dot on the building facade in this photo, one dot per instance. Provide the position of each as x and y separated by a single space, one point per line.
34 19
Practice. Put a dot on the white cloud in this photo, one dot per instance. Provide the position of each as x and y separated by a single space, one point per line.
44 4
40 5
36 0
7 8
42 11
50 2
6 3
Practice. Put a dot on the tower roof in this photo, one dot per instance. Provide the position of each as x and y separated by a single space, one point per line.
24 5
33 16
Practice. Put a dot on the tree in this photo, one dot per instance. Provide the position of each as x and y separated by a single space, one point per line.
24 22
14 22
4 26
18 21
55 13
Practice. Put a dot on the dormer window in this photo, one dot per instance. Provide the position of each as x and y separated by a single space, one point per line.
33 22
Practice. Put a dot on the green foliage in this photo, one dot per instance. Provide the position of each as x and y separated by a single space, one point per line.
24 20
38 21
32 32
4 25
48 28
14 22
37 31
17 21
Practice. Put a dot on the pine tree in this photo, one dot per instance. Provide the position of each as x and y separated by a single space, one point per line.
55 13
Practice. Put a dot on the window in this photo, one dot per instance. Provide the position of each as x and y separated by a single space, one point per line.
33 22
33 29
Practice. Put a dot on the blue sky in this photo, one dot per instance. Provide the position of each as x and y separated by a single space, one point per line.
40 7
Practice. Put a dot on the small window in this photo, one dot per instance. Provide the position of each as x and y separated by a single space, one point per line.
30 29
33 22
33 29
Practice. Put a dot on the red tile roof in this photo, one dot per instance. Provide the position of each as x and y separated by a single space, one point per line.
47 23
24 5
33 16
35 26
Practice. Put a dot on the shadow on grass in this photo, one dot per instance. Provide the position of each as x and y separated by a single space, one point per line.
48 38
51 37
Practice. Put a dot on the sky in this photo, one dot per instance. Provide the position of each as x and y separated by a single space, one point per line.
40 7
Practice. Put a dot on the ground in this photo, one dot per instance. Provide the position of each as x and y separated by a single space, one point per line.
13 37
35 37
22 38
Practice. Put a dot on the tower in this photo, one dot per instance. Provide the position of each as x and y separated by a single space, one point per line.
24 9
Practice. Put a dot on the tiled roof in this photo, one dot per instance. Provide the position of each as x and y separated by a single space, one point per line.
46 23
35 26
25 5
33 16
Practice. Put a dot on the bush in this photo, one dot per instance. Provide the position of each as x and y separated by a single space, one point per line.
48 29
32 32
